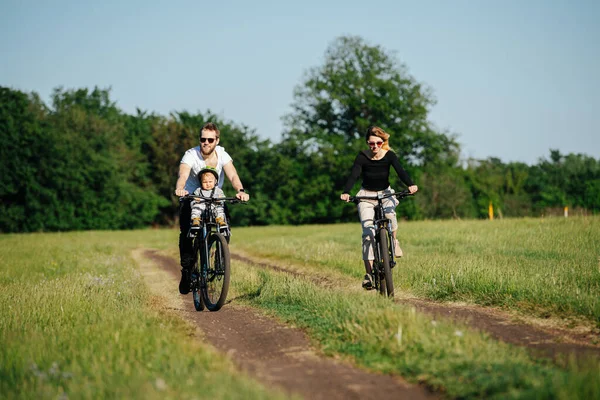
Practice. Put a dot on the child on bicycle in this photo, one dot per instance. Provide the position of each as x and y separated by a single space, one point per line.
208 178
374 166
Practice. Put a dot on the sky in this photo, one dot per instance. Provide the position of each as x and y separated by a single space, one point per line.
512 79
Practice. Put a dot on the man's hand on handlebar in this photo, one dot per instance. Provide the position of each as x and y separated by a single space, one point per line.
345 197
181 192
243 196
413 189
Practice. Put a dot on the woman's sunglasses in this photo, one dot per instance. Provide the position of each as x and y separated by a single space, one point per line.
378 144
204 139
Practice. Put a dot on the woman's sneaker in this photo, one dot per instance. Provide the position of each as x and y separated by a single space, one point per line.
367 283
397 249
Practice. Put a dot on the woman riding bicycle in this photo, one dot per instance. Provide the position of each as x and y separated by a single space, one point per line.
374 165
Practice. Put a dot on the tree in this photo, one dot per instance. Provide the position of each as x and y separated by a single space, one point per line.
24 138
70 167
359 85
565 180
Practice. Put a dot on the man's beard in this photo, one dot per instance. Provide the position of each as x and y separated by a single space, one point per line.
210 151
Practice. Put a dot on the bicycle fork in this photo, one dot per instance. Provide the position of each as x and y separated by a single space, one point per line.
384 223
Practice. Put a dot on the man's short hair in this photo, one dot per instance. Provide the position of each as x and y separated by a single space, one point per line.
210 126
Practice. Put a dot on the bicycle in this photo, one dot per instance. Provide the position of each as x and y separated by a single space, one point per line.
209 282
383 248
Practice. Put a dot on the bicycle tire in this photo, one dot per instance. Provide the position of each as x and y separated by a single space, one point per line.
195 282
198 301
378 277
384 242
215 273
375 268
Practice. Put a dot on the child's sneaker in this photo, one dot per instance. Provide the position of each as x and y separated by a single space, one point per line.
367 283
220 220
194 227
397 249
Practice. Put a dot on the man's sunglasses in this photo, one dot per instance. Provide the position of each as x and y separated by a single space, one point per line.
204 139
378 144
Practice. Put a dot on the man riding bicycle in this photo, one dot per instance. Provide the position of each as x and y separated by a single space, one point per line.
207 154
374 166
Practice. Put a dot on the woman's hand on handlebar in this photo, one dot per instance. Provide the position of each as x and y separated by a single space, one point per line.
181 192
345 197
413 189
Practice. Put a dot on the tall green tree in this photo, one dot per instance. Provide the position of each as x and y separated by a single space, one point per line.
69 166
24 139
360 85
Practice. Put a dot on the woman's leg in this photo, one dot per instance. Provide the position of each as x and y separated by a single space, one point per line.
368 266
389 208
366 213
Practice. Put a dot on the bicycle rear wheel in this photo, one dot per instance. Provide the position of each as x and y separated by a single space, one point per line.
215 273
387 281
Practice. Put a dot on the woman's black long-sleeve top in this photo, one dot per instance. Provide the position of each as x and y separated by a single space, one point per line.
376 173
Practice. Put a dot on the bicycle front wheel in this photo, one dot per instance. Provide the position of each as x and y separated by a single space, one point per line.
215 273
385 243
195 280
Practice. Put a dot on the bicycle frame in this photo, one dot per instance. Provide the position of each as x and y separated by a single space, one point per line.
211 272
382 223
209 225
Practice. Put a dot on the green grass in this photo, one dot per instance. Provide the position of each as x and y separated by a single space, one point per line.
393 339
78 322
541 266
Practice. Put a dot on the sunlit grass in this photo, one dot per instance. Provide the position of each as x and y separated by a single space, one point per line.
78 322
394 339
545 266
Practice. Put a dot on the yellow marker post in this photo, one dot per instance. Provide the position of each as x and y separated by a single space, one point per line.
566 211
491 211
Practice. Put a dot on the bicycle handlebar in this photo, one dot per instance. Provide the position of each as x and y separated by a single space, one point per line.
399 195
211 199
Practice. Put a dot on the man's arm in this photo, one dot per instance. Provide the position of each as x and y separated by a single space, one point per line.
184 173
233 177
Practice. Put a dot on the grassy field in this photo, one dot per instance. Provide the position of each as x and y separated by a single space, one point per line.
545 267
78 320
390 338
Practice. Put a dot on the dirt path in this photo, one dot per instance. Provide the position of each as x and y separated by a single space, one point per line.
278 355
544 341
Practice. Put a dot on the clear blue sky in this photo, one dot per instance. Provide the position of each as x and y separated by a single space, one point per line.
512 78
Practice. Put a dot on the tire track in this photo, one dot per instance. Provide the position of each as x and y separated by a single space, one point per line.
279 355
501 326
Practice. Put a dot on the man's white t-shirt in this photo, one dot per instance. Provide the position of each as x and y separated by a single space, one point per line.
193 158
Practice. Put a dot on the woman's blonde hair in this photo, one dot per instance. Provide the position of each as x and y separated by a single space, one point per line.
380 133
